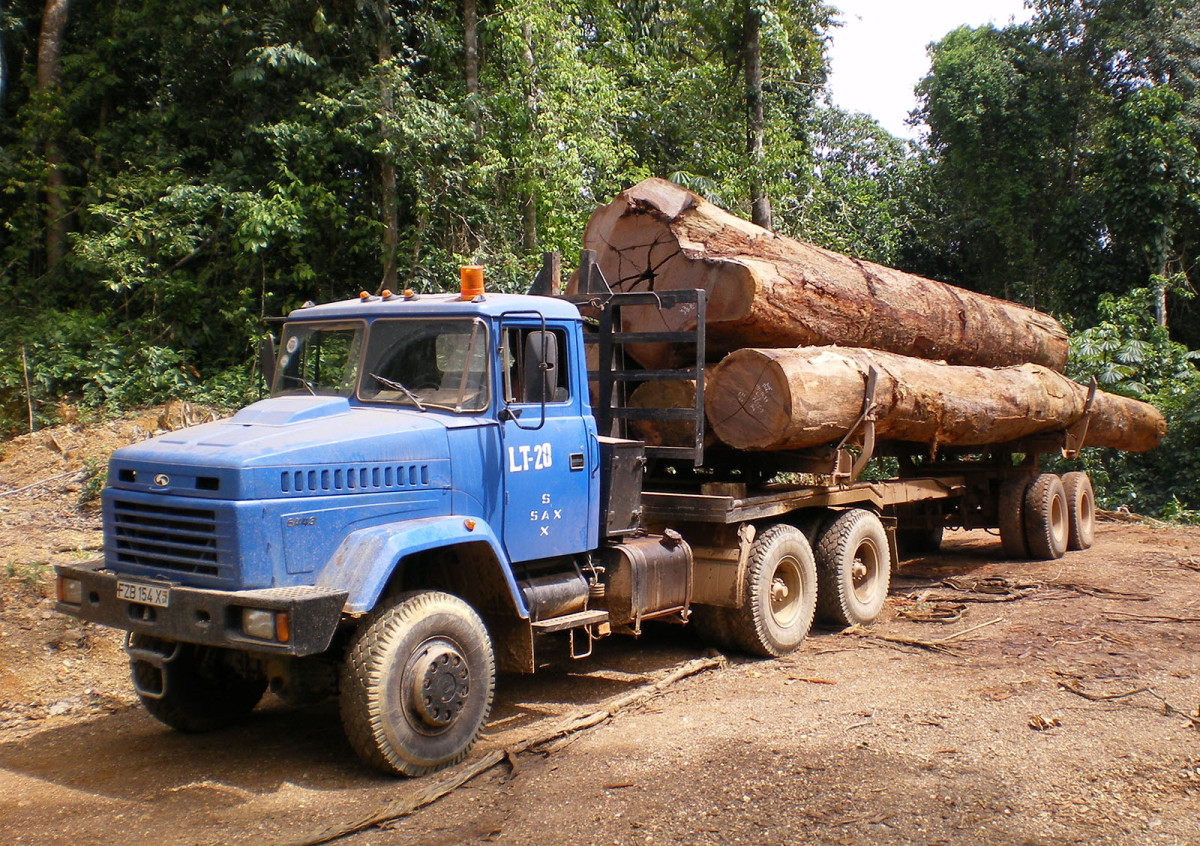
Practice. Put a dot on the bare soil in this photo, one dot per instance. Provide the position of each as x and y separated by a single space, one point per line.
995 702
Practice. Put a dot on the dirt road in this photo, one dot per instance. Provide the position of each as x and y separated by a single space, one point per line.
995 702
994 730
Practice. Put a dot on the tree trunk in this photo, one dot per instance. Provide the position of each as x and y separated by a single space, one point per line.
528 196
471 65
766 290
675 393
761 399
388 203
49 72
760 203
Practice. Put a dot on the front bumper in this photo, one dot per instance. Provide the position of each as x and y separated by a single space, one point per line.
211 617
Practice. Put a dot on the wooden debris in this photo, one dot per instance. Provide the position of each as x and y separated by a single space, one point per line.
1192 719
431 788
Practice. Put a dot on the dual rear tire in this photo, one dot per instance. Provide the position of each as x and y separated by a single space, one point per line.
1044 517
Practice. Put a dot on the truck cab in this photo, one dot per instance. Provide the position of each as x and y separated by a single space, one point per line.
427 466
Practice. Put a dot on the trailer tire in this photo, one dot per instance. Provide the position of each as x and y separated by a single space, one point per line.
1010 517
420 643
200 691
1081 510
914 542
780 590
712 625
1046 509
854 569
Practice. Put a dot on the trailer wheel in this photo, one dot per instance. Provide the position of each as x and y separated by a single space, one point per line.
913 542
197 690
712 625
1046 518
780 594
1081 510
853 568
1010 517
417 684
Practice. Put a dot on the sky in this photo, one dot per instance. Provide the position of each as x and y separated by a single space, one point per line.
878 55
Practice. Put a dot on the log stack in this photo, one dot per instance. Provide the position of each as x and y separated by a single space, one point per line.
797 328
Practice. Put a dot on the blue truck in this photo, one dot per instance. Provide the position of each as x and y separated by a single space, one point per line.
438 487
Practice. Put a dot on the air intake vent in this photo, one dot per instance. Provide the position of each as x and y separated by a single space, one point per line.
166 537
358 479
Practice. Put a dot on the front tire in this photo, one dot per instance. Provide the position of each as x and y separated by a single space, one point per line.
417 684
198 689
780 591
853 569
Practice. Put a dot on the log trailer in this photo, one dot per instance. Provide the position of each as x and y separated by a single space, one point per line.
428 496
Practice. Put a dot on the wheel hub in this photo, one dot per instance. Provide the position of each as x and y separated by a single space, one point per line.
440 685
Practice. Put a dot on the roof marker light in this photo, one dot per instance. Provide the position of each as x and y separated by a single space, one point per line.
470 279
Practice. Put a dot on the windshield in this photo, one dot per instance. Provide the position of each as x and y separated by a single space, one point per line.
318 358
427 363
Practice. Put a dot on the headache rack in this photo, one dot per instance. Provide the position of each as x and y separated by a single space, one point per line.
617 375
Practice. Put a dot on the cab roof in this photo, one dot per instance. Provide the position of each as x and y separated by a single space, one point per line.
437 305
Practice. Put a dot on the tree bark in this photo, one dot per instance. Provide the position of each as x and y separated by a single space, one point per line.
766 290
471 64
762 399
528 196
49 75
675 393
388 202
760 203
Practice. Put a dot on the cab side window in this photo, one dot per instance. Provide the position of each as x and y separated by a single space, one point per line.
534 365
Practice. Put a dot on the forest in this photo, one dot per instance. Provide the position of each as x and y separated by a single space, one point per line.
173 174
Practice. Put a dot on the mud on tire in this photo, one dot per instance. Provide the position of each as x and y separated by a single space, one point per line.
202 688
854 569
780 590
417 684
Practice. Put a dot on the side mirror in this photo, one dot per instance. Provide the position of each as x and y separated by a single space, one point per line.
266 359
541 367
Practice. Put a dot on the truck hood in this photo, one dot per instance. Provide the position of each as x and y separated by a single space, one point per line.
292 446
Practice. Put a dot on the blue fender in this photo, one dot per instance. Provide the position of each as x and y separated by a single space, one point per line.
366 559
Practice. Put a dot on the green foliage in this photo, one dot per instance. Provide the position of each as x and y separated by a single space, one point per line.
95 477
1129 353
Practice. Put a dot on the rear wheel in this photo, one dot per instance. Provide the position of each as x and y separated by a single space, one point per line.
780 592
853 568
1081 510
1010 517
914 542
1046 518
417 684
193 688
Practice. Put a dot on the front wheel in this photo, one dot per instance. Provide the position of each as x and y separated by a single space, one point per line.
193 688
780 594
417 684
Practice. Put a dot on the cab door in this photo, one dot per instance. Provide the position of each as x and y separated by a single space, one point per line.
544 446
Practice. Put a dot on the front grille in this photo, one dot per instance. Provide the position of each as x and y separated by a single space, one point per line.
166 537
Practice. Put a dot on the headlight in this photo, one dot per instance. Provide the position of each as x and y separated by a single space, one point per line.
70 591
265 624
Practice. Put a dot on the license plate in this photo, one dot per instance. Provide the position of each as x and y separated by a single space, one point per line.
144 594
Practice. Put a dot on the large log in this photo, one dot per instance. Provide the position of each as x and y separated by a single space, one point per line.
764 399
765 290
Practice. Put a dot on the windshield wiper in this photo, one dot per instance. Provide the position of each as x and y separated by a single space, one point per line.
307 384
396 386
